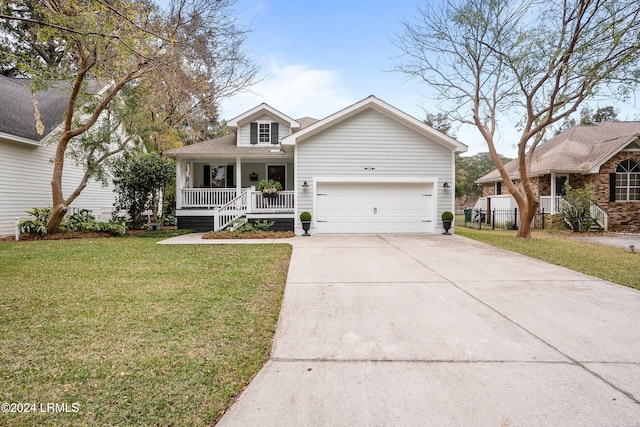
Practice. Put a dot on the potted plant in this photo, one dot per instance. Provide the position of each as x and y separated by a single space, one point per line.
269 188
447 218
305 219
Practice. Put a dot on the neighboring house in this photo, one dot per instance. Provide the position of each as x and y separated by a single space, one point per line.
26 162
369 168
605 156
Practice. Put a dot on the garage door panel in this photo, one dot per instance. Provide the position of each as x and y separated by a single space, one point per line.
374 207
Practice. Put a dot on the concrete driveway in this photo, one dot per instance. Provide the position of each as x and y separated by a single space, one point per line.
384 330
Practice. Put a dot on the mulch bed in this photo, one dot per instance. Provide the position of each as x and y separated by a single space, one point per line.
249 235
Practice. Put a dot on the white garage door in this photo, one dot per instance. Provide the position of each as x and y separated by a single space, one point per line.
349 207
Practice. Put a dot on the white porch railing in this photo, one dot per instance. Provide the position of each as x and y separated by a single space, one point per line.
235 208
546 203
206 197
600 216
281 202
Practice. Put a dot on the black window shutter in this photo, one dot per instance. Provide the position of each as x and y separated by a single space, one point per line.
612 187
254 133
274 132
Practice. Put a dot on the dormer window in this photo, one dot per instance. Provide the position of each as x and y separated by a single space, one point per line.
264 133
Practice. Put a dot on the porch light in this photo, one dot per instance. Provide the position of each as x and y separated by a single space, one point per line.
445 185
305 185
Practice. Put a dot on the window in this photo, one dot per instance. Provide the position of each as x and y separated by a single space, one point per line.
627 181
498 188
264 132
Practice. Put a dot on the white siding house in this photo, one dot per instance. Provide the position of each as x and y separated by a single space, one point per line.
26 162
369 168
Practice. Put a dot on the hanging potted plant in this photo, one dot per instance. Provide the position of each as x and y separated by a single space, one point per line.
305 219
270 188
447 218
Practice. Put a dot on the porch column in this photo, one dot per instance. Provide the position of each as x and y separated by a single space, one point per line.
553 193
179 183
238 175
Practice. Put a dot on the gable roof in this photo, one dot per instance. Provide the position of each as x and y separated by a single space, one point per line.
382 107
17 112
259 111
581 149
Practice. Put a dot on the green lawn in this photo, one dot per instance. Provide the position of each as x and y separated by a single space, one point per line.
133 332
614 264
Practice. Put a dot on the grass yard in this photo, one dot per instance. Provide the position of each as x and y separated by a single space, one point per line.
614 264
132 332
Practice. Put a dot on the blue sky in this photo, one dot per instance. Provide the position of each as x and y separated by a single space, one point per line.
318 57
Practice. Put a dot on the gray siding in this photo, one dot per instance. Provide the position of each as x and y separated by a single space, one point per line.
372 140
244 130
25 183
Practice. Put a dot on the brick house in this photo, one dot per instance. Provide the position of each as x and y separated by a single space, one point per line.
605 156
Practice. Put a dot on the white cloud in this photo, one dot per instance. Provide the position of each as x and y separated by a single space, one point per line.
296 90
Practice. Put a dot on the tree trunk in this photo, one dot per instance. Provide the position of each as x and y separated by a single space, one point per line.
525 216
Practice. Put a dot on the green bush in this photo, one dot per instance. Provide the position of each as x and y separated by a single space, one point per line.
577 211
305 216
82 221
37 224
170 220
241 225
447 216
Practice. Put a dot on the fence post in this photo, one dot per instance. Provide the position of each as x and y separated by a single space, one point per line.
515 218
493 219
480 219
542 214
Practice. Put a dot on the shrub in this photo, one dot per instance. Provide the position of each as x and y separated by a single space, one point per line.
447 216
305 216
79 221
170 220
37 224
241 225
577 211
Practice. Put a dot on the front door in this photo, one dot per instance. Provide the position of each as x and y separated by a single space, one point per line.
277 173
560 181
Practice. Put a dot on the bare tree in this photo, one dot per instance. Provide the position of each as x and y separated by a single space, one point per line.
190 56
539 60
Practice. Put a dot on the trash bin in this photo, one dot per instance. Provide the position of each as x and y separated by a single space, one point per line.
467 215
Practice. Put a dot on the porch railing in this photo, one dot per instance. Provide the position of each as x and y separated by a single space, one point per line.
281 202
600 216
206 197
547 201
235 208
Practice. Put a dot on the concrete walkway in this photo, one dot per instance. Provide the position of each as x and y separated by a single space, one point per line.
441 330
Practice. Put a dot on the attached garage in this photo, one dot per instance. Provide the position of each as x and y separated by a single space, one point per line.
375 207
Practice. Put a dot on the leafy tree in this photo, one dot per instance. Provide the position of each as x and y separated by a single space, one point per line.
538 60
141 180
470 168
441 123
589 117
118 57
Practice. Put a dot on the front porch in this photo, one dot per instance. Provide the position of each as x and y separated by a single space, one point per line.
214 209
